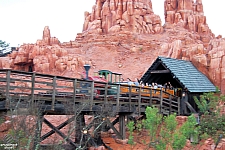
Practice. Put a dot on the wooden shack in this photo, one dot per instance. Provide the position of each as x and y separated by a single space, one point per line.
186 80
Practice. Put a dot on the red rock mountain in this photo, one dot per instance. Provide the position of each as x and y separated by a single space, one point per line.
126 36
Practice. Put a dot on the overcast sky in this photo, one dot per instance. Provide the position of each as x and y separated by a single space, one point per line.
23 21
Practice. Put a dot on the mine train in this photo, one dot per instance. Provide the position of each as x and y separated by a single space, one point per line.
129 87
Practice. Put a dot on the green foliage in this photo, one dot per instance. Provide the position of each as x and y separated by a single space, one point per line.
19 137
152 123
207 102
189 128
161 145
139 125
170 136
3 44
179 141
171 123
212 125
131 128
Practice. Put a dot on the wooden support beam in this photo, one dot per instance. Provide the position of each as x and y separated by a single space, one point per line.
58 127
38 131
60 133
80 123
118 98
122 126
8 72
105 95
130 97
139 101
92 94
74 93
178 100
161 101
160 71
113 123
150 97
114 129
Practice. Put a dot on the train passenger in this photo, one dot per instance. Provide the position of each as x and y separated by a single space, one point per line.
129 82
136 82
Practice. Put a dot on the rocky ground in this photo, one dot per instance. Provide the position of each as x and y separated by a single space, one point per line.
140 138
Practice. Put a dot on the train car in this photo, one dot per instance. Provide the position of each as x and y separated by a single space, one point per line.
129 87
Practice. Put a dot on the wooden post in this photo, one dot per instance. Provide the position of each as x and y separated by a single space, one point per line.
74 93
37 138
53 93
92 93
122 126
80 122
130 97
150 97
118 98
32 89
105 94
161 101
170 99
178 100
139 102
7 105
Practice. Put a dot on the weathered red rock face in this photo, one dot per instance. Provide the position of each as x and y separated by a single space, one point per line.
126 36
110 16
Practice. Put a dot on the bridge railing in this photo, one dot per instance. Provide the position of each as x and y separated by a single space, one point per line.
34 87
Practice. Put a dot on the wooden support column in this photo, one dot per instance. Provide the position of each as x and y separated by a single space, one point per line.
118 99
161 101
105 95
37 137
178 100
122 126
92 94
80 123
130 98
74 93
7 105
139 102
150 97
32 90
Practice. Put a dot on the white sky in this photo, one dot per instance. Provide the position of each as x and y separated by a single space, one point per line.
23 21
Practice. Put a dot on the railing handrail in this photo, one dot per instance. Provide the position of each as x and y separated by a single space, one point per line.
57 84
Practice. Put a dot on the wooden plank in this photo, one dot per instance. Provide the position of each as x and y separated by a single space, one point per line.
160 71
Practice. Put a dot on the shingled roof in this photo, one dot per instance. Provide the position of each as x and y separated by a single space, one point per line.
183 72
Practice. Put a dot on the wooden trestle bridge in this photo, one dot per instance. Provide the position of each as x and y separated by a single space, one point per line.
55 95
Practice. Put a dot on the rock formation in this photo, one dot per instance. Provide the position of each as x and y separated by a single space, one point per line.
109 16
126 36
